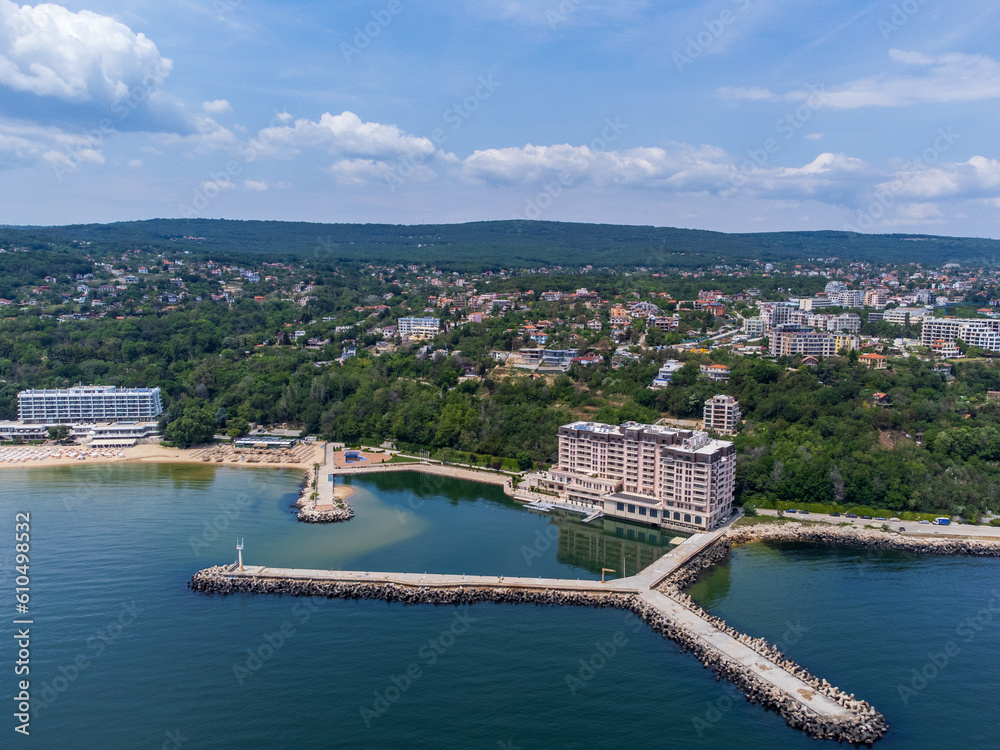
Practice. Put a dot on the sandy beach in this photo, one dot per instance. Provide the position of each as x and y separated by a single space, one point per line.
26 457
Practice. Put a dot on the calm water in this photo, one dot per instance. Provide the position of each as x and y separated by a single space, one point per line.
124 656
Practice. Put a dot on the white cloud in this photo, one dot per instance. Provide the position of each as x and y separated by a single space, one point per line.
27 144
345 135
217 107
214 187
681 167
257 185
135 163
50 51
979 176
951 77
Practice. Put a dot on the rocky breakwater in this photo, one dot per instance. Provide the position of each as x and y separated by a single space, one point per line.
822 533
863 725
311 510
220 580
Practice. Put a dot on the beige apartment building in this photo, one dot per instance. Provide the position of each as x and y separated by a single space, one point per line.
721 415
680 479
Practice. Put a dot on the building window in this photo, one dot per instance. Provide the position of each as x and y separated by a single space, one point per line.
631 508
653 512
642 511
621 506
687 518
697 519
677 516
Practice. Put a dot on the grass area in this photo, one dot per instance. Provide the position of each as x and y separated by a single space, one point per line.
402 460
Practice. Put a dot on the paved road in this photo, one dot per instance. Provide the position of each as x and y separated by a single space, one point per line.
913 528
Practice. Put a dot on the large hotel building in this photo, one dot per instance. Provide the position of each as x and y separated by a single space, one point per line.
103 416
657 475
89 403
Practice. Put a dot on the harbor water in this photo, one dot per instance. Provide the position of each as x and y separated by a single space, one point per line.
124 655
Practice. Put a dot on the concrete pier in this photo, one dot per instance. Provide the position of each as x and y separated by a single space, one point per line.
759 670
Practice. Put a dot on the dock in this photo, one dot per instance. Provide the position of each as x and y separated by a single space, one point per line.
763 674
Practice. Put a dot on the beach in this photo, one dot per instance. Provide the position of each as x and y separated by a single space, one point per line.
25 457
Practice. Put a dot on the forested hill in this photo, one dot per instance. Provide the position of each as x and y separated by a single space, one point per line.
504 244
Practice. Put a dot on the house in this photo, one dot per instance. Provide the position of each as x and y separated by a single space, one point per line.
809 361
874 361
587 360
715 372
880 399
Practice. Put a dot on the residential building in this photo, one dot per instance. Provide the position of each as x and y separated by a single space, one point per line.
651 474
721 415
418 328
715 372
754 326
667 370
899 315
850 322
876 297
874 361
980 332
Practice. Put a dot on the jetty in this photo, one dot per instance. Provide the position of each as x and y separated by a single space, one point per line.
655 594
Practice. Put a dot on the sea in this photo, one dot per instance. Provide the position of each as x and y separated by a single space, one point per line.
121 654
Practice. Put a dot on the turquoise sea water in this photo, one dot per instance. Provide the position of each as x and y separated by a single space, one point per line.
124 656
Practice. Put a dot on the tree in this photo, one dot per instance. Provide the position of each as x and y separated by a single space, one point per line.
238 427
524 462
59 432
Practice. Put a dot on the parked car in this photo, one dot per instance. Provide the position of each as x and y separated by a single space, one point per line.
880 518
791 510
835 515
867 518
803 512
851 515
925 521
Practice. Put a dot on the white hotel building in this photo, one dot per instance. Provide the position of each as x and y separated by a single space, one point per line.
89 403
679 479
100 415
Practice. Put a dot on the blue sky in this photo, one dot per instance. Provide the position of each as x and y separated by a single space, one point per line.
736 115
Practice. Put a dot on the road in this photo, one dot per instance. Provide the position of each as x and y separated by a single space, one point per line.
913 528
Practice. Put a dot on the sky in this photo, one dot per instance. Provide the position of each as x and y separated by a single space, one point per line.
735 115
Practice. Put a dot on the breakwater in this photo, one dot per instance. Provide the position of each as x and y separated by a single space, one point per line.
318 502
758 669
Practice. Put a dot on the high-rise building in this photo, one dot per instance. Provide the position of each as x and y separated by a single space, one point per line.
983 333
88 403
647 473
721 415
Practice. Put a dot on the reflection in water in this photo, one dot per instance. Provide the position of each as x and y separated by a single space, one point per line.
609 543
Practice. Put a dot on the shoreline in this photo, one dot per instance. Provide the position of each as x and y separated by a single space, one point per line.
303 457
